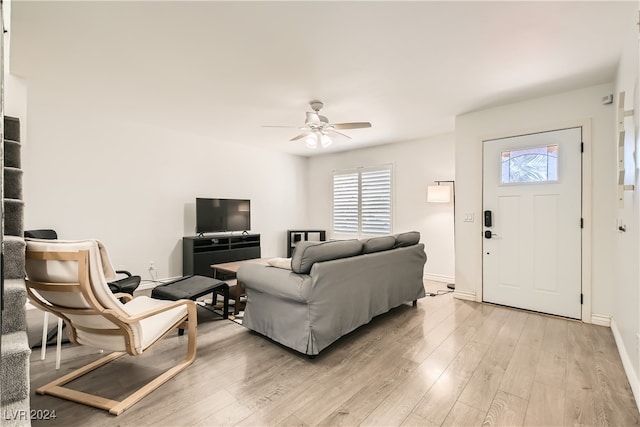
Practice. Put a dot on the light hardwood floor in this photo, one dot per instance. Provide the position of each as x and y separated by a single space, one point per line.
447 362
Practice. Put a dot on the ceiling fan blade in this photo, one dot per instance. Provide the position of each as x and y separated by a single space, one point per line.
354 125
332 132
297 137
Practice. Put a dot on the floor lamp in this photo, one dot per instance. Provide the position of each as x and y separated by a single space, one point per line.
444 194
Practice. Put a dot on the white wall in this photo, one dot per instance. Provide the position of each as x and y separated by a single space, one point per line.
625 314
15 89
539 114
94 174
15 105
416 165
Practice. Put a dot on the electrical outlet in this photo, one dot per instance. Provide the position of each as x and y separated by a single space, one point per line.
152 271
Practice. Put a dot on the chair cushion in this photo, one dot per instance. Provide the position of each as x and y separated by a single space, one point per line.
145 332
409 238
378 244
155 326
308 253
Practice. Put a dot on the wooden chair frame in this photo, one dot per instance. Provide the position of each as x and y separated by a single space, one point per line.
83 286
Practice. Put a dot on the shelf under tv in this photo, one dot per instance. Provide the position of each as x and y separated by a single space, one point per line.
200 252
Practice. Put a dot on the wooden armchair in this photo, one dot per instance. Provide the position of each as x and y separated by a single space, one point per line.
67 278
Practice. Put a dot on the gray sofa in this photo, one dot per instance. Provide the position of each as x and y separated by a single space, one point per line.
328 289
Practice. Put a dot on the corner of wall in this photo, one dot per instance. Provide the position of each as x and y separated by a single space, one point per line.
631 373
600 320
465 295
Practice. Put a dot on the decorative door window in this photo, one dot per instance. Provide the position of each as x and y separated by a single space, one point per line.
530 165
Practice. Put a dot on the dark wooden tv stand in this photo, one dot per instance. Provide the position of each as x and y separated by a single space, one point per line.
200 252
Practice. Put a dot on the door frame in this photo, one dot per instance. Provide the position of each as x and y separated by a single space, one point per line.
586 207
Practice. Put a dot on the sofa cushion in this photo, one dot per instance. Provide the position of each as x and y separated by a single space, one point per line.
407 239
280 263
308 253
378 244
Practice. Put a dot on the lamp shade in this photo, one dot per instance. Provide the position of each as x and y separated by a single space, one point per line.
438 194
311 141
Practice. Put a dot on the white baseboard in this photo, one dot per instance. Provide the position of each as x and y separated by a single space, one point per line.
601 320
439 278
468 296
148 284
632 376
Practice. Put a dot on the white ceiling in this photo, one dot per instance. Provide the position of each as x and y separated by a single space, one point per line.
223 69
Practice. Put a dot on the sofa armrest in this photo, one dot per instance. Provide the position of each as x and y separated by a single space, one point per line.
275 281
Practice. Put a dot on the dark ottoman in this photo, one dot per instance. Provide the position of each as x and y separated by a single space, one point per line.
193 287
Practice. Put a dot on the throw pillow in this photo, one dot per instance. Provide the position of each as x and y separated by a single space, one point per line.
284 263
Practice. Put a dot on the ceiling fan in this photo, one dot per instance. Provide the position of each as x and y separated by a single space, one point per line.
318 130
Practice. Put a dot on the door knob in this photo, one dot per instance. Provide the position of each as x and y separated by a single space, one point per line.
488 234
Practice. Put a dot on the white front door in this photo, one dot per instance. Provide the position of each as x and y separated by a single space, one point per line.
532 187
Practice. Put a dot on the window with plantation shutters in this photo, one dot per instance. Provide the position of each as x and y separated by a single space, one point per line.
345 203
362 201
375 196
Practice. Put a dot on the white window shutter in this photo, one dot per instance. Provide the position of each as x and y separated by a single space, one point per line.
376 202
362 201
345 203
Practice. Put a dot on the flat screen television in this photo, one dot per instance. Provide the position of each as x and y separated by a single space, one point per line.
220 215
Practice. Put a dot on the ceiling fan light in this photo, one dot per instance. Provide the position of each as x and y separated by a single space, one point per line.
317 129
311 141
325 141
